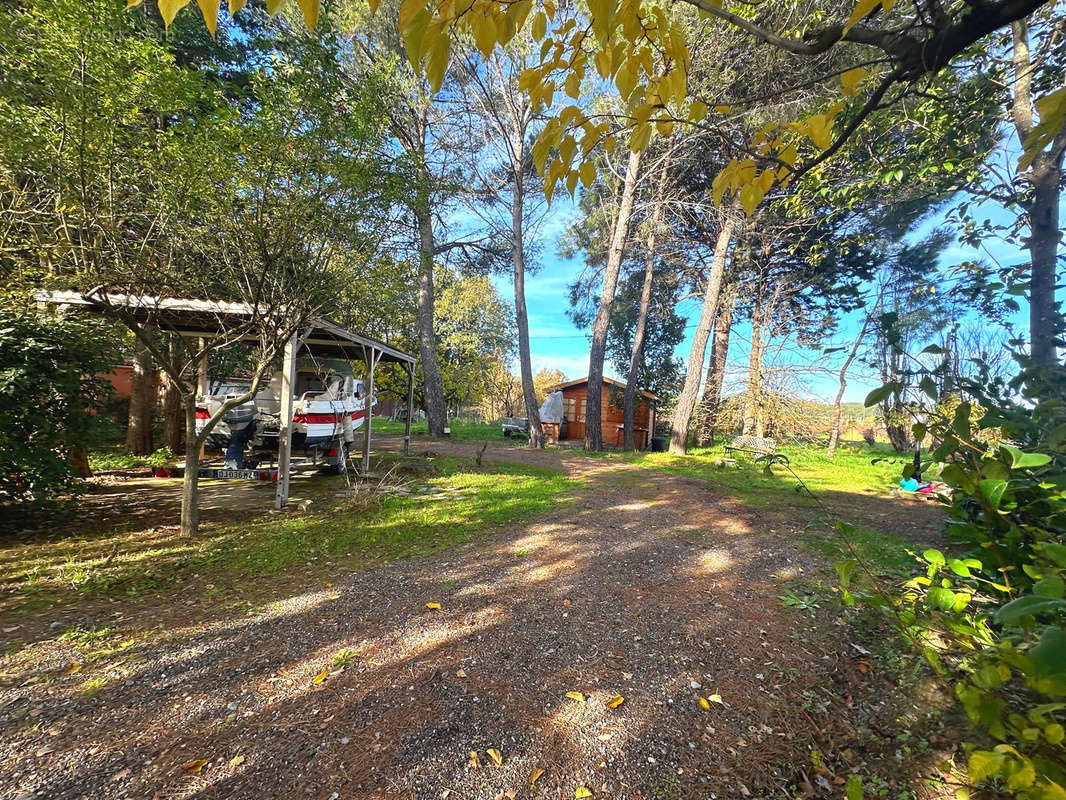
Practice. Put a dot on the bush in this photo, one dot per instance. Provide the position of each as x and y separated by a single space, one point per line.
47 393
991 618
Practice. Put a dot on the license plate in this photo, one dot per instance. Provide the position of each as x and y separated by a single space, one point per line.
249 474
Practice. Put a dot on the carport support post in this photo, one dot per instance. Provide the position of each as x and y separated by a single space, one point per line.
288 375
371 362
410 408
202 384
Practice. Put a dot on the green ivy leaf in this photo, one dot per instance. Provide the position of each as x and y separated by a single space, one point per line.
853 788
1027 605
880 393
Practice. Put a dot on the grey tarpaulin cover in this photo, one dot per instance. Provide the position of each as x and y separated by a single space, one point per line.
552 410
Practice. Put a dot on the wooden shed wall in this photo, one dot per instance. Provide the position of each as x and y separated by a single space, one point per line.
610 414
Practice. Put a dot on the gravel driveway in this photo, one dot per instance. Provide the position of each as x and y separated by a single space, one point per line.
644 586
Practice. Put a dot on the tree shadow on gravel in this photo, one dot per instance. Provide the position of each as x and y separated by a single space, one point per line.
653 590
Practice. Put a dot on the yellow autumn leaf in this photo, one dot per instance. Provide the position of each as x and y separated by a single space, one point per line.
320 677
534 775
851 79
274 6
571 182
374 5
581 791
716 698
74 667
310 9
576 696
697 112
168 9
615 701
474 762
133 3
494 754
194 766
209 9
588 173
540 25
704 704
603 63
433 606
862 8
1052 110
236 761
722 109
236 5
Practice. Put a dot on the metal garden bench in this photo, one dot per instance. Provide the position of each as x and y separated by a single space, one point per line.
755 445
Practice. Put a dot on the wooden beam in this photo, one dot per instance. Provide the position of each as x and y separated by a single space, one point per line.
410 408
371 362
288 379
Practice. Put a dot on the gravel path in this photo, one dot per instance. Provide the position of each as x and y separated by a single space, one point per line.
645 586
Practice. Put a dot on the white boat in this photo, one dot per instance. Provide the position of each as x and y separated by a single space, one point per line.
329 407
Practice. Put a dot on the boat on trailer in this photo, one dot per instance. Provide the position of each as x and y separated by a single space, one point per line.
330 405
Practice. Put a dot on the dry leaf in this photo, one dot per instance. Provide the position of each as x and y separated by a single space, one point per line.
194 766
704 704
716 698
615 701
582 791
534 775
511 793
576 696
320 677
433 606
329 585
494 754
474 763
74 667
236 761
459 673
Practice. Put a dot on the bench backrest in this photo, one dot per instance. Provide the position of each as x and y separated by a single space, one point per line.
754 443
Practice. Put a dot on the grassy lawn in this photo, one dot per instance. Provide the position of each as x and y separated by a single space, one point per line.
869 473
441 510
463 430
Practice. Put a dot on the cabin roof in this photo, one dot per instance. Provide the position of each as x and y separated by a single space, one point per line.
193 316
567 384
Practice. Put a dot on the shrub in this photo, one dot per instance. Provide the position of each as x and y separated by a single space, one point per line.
47 393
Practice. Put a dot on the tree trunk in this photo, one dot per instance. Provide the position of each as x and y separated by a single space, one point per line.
834 433
630 397
173 415
436 410
518 262
190 508
139 428
712 385
1042 207
594 398
686 402
753 421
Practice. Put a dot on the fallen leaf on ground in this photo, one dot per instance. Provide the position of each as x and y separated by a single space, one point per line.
74 667
705 704
494 754
320 677
576 696
534 775
473 763
329 585
716 698
236 761
615 701
460 673
433 606
581 791
195 765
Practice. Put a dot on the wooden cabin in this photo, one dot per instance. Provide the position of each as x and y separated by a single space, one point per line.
575 408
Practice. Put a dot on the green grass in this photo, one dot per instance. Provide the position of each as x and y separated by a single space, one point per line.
115 457
862 471
443 510
462 430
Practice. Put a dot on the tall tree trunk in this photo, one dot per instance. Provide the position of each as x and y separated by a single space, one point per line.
753 417
1042 207
190 485
712 384
834 433
173 415
518 262
686 402
629 398
619 234
436 409
139 427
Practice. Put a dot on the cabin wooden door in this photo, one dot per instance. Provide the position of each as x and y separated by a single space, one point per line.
574 412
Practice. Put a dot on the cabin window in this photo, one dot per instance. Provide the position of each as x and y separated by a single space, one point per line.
568 409
581 406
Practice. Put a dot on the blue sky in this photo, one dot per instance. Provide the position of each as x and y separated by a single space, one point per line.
557 343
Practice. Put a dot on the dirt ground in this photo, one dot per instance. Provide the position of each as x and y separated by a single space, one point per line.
649 587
